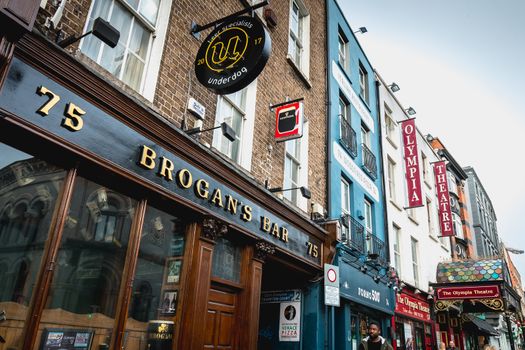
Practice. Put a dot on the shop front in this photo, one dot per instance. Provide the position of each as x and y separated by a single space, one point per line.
119 231
365 297
413 325
473 301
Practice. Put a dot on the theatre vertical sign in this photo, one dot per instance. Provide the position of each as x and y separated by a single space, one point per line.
445 216
411 155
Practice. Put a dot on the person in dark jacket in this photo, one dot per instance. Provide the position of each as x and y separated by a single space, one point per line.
374 341
451 345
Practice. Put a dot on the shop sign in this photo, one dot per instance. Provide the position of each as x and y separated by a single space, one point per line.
355 100
233 55
355 171
412 307
61 338
280 296
290 322
411 155
471 292
49 106
361 288
331 285
289 121
445 216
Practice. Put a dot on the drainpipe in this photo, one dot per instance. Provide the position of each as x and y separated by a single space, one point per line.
328 113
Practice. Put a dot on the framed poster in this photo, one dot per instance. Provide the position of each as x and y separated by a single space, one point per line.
169 302
173 269
64 339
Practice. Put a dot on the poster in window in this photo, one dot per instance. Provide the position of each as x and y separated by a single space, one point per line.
169 302
173 269
63 339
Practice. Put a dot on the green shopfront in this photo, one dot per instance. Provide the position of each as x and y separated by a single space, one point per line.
366 295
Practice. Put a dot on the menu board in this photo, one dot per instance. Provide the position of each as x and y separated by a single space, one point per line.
64 339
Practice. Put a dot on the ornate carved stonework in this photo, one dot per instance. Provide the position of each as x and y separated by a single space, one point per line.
263 249
212 228
494 304
443 305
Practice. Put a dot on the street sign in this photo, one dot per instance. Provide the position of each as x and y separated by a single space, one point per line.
331 285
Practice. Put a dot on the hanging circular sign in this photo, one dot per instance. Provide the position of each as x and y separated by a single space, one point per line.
233 55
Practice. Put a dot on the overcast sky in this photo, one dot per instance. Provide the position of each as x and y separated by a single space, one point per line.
461 65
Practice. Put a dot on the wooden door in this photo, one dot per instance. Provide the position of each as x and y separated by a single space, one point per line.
221 317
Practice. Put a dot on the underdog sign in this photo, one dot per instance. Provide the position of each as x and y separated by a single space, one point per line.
233 55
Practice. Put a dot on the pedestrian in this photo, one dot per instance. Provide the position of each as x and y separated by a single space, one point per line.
487 347
451 345
374 341
442 346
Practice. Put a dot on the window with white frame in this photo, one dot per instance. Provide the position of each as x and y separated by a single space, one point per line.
343 50
390 124
452 185
430 219
344 108
458 226
363 83
299 38
392 180
412 213
238 111
292 167
415 260
345 209
425 165
365 137
369 224
295 168
142 25
397 248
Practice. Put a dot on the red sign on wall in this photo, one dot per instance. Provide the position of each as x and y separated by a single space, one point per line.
411 155
289 121
471 292
445 216
412 307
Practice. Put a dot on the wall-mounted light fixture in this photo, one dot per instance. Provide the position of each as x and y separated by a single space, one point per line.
227 131
361 30
377 278
305 192
394 87
363 268
101 29
410 111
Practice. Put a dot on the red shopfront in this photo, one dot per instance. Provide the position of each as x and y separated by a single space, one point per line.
413 327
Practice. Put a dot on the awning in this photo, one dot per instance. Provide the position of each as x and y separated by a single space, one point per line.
481 325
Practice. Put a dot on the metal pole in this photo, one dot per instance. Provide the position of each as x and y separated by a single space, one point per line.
509 332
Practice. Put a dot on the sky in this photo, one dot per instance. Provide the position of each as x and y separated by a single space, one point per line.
461 65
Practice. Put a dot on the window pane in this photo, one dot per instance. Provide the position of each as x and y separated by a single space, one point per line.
156 285
139 40
149 9
133 72
133 3
86 283
28 193
112 59
226 261
121 20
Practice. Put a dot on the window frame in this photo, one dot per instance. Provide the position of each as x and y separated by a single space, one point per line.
397 248
155 46
301 39
343 50
301 203
364 88
415 260
391 174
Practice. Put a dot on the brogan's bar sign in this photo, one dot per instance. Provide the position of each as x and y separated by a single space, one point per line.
233 55
472 292
411 163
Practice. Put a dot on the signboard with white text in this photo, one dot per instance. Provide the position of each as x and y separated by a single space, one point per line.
411 156
331 285
445 215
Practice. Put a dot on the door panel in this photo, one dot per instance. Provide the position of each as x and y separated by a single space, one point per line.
220 320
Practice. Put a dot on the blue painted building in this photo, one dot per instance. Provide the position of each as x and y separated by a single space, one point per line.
356 187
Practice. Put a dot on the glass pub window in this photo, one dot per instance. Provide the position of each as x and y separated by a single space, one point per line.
157 280
29 189
92 254
136 21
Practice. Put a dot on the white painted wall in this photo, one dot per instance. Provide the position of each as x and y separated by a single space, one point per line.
431 249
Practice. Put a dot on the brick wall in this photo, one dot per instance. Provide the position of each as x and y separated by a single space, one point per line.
277 81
